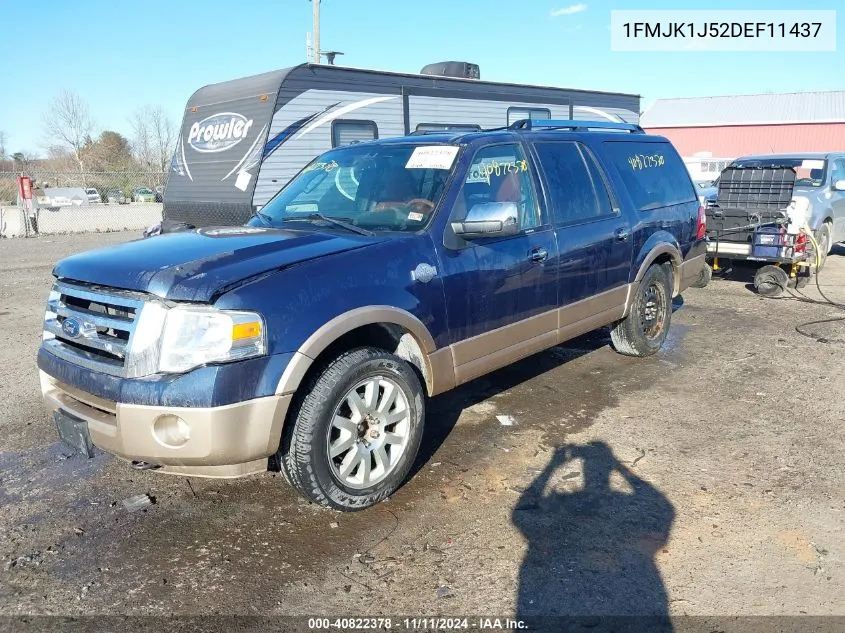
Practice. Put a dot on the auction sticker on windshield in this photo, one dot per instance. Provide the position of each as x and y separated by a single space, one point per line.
432 157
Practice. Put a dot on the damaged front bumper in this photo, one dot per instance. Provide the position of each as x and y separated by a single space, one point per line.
226 441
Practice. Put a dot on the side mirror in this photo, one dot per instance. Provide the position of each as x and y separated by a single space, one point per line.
490 219
839 185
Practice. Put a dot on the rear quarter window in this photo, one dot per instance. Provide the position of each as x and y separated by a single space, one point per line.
653 173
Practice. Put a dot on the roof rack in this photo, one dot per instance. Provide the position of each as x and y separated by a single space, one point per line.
454 131
449 132
571 124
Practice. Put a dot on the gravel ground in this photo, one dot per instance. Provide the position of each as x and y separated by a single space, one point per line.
707 480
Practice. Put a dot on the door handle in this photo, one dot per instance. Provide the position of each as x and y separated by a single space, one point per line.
622 234
539 255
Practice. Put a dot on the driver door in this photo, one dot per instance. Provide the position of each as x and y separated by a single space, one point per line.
501 291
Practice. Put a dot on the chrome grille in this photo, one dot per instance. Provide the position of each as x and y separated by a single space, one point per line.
96 328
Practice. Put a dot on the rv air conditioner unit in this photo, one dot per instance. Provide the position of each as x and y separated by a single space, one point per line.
464 70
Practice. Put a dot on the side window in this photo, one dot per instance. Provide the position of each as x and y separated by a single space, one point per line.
516 114
604 199
576 187
500 173
653 173
838 170
346 132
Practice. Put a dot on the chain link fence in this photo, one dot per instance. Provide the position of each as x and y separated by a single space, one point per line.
81 202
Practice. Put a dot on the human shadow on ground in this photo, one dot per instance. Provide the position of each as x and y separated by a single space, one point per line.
591 551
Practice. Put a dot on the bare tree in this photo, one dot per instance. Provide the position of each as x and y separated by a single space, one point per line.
4 138
154 137
68 123
110 152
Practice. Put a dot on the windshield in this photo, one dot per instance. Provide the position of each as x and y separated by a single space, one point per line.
142 190
809 172
374 187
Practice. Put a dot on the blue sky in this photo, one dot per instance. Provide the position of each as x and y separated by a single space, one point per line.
119 58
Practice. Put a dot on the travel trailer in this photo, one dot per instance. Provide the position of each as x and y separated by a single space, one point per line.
241 141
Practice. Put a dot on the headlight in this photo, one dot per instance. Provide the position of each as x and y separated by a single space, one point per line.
194 336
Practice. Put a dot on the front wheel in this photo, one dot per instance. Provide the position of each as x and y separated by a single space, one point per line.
356 431
825 241
643 331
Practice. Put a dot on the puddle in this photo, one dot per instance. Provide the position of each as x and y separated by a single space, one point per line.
47 470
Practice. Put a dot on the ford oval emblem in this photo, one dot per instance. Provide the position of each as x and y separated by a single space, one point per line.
71 327
219 132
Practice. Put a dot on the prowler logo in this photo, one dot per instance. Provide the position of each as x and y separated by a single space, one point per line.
219 132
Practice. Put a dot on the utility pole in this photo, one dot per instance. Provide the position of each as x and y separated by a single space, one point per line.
316 29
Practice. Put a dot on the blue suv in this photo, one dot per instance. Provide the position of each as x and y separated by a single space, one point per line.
384 273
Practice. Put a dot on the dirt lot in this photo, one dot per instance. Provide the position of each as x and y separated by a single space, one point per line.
707 480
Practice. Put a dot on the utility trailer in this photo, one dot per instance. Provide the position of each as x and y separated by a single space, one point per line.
241 141
754 218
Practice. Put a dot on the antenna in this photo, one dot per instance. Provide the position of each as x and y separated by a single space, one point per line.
308 48
313 51
316 27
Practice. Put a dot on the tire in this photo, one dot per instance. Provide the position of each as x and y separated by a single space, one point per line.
771 281
705 276
823 237
358 477
643 331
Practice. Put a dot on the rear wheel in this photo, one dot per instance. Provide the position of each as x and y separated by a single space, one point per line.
643 331
356 432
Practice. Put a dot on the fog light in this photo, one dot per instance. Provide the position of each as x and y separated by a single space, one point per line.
171 431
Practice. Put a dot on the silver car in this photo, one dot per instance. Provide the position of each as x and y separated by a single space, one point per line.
819 188
115 196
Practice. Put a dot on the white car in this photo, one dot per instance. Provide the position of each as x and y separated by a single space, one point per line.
93 195
56 197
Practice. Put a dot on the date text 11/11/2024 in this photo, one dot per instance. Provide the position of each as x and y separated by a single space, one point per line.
722 29
417 624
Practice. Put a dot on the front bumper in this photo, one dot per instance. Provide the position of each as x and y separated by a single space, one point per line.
226 441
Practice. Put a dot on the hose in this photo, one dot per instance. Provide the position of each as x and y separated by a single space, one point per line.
800 328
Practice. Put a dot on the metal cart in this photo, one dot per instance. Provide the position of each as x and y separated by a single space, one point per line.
752 220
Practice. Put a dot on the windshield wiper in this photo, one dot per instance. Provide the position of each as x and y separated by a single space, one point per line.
263 217
311 217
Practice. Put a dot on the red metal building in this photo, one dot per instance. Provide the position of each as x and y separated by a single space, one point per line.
769 123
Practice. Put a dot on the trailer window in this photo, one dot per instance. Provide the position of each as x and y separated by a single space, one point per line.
346 132
517 114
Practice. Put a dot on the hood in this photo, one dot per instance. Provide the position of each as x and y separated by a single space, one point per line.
808 192
196 265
